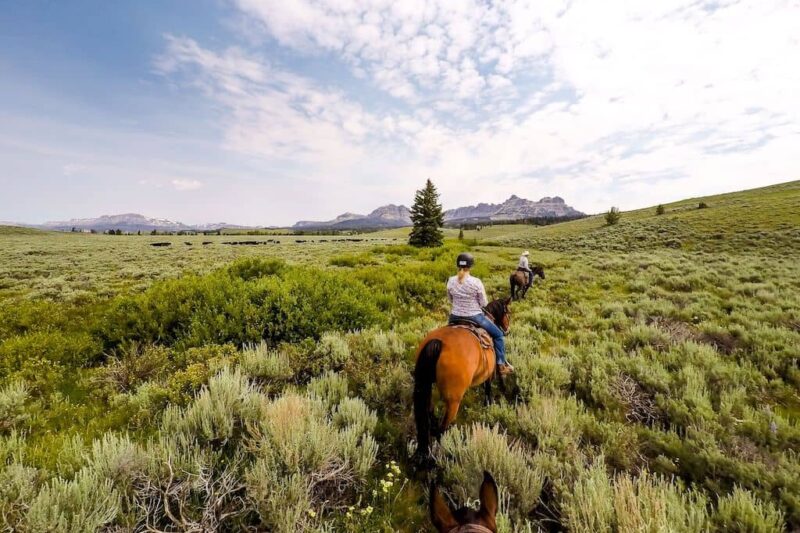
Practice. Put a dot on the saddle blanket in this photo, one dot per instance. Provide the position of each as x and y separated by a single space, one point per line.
483 337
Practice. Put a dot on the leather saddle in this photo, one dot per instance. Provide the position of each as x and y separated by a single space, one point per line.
525 274
483 337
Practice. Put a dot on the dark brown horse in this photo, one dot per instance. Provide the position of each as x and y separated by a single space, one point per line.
466 520
453 359
519 284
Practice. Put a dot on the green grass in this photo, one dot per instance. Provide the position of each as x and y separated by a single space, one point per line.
656 387
17 230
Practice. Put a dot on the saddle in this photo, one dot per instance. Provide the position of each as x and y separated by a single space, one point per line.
525 274
483 337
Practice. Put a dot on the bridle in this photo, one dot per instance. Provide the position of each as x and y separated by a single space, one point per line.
470 528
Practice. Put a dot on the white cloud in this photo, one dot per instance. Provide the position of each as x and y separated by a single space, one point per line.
606 101
183 184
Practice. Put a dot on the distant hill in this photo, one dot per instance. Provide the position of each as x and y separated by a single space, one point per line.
9 228
766 220
132 222
388 216
398 216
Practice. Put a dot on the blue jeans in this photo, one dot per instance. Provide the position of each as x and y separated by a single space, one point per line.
496 333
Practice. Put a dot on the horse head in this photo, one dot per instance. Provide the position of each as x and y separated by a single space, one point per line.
538 271
500 313
464 520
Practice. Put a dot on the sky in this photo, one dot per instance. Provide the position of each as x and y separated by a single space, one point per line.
266 112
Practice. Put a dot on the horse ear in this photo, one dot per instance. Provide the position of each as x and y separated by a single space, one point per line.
488 495
508 301
441 515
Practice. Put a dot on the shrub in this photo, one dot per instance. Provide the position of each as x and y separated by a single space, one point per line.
253 268
612 216
133 365
741 512
391 393
702 205
552 423
86 503
660 210
354 413
268 366
18 486
465 453
12 405
330 388
118 459
217 308
352 260
652 503
589 506
538 375
305 462
330 353
219 412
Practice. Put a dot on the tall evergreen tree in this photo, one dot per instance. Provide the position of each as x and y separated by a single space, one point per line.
428 218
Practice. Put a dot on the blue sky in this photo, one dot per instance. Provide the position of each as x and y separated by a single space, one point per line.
266 112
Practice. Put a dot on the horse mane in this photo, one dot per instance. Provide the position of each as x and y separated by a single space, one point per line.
494 308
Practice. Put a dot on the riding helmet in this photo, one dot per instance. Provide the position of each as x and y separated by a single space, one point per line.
465 260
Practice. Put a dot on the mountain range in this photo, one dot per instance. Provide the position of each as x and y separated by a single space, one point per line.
388 216
397 216
130 222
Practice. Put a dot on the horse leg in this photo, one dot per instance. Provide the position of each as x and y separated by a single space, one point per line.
487 389
451 410
501 382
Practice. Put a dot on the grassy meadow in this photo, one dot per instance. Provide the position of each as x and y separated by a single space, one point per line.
267 387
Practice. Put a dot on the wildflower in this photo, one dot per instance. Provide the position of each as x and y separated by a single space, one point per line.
390 475
312 513
374 493
367 511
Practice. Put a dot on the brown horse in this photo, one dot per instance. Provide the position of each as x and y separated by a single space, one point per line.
518 280
454 359
466 520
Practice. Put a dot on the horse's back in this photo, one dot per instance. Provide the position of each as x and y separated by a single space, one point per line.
462 361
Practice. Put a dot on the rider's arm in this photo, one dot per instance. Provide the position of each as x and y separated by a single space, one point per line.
449 294
483 301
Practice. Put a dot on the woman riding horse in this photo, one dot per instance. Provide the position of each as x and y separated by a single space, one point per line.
453 358
468 297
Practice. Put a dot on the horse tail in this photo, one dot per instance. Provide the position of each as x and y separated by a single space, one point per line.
511 281
424 376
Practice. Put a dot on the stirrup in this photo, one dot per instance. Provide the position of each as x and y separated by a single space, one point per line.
505 369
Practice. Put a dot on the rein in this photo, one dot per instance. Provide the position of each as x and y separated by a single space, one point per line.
471 528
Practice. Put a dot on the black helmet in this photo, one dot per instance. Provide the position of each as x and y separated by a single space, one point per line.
465 260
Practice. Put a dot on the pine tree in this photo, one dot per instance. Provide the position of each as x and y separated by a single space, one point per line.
660 210
427 216
461 234
612 216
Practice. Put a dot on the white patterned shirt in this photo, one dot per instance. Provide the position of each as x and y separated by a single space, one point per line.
468 297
